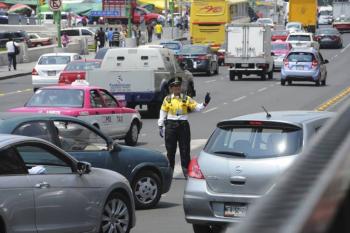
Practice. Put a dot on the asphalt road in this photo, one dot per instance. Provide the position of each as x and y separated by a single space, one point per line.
229 99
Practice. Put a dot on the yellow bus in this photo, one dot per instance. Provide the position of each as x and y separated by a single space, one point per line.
209 17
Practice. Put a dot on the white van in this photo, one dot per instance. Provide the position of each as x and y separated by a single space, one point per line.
140 76
80 32
47 18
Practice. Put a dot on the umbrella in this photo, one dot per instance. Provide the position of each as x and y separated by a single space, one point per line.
20 8
3 5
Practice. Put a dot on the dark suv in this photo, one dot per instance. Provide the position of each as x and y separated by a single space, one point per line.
18 36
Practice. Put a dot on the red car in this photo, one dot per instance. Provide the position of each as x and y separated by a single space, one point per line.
279 35
141 14
77 70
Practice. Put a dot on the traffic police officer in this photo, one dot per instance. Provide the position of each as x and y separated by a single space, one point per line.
173 115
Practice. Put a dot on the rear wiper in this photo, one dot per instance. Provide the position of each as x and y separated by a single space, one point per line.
234 153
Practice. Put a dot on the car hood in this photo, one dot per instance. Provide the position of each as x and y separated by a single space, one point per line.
143 155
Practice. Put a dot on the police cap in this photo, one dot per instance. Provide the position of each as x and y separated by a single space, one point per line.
175 81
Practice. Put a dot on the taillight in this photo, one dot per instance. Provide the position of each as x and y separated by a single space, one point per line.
194 170
180 58
314 64
203 57
34 72
286 63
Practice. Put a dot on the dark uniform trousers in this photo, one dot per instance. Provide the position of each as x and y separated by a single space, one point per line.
178 131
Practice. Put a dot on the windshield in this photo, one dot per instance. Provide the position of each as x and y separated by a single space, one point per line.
280 47
255 142
299 38
265 21
300 57
190 49
326 13
56 98
327 31
172 46
54 60
294 25
282 33
73 66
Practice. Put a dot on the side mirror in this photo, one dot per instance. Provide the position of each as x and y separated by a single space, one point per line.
326 61
83 168
272 54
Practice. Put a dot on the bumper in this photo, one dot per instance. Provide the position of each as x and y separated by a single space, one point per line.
197 66
39 81
167 174
329 43
300 75
202 206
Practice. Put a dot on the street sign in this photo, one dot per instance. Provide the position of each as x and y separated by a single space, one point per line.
55 5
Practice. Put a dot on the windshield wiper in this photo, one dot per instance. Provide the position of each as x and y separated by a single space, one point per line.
234 153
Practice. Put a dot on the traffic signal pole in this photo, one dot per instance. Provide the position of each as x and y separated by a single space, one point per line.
58 23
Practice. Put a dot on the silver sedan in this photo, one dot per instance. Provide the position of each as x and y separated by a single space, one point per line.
241 162
43 189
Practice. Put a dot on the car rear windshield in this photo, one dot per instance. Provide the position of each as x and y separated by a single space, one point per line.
56 98
329 31
279 46
73 66
172 46
255 142
299 38
194 50
54 60
300 57
279 33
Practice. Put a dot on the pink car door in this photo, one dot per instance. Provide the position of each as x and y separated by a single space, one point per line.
98 114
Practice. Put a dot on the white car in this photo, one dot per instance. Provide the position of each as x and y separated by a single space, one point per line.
266 21
49 66
294 27
302 40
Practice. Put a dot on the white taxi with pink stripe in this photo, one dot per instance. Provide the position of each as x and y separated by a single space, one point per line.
92 104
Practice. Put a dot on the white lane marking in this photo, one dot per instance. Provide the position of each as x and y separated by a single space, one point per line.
15 92
195 144
262 89
343 50
210 81
239 98
224 103
211 109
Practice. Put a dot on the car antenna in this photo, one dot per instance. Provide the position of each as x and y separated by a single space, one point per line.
268 115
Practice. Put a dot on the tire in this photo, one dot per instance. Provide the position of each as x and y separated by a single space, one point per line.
240 76
209 71
147 189
117 207
290 82
263 76
38 45
270 74
197 228
323 82
35 89
232 76
133 134
283 82
317 83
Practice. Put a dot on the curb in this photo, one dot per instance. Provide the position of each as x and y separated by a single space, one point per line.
15 75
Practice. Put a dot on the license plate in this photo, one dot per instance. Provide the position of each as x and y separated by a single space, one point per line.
235 210
244 65
300 67
51 73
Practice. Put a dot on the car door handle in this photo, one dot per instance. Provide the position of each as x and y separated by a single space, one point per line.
238 180
42 185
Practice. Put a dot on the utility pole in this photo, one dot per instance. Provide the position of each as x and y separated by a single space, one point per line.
171 6
58 22
129 17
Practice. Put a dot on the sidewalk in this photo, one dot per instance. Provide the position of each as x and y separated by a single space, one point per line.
24 69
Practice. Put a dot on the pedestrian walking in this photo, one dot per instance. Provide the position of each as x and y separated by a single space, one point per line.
116 38
12 50
65 40
150 29
158 30
110 37
173 122
84 21
101 37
